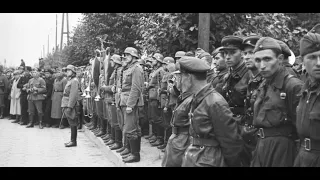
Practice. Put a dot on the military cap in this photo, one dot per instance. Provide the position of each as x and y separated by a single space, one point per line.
71 67
231 42
216 51
180 54
190 54
116 58
267 43
193 65
9 70
204 54
158 57
284 48
315 29
168 60
28 68
250 41
132 51
309 43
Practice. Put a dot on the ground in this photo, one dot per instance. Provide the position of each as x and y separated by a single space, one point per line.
34 147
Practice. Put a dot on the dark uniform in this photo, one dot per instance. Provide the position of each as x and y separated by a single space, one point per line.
215 140
47 103
23 96
308 115
275 115
7 95
286 52
3 91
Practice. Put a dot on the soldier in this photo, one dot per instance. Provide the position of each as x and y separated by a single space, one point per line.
154 87
7 97
274 108
56 98
4 83
286 53
36 88
178 55
308 115
248 131
236 81
130 99
69 102
47 102
208 59
99 108
221 68
24 120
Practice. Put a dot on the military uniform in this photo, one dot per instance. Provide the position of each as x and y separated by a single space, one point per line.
308 115
23 98
275 115
3 91
56 98
47 104
286 51
217 80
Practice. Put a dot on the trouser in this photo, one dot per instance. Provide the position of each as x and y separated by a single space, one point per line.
47 111
112 115
24 108
99 108
166 116
7 106
79 114
105 110
35 106
154 114
131 126
121 123
143 119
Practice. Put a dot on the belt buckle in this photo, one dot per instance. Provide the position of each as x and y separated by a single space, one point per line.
307 144
261 133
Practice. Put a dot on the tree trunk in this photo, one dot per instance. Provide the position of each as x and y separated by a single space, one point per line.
204 31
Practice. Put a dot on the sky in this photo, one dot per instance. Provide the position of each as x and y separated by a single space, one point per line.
23 35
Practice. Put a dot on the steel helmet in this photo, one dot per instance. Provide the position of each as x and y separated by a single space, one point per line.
116 58
180 54
72 68
132 51
168 60
158 57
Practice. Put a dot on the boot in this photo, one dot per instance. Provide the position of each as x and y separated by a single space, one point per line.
160 138
118 139
103 129
20 120
127 149
121 149
73 141
108 132
158 142
17 119
40 122
2 111
135 144
94 122
31 121
112 138
163 146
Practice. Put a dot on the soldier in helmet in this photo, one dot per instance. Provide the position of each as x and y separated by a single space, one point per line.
308 115
178 55
274 108
36 89
130 99
69 102
154 87
3 91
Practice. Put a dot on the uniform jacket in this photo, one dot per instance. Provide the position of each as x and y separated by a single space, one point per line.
180 114
210 75
217 80
118 86
235 88
70 93
108 88
49 87
23 80
155 83
41 85
57 94
132 86
4 84
269 109
212 119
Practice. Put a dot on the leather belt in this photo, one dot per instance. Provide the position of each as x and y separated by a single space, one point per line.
180 130
310 144
204 142
282 130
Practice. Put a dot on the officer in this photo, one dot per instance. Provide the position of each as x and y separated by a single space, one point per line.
79 106
308 115
56 112
115 141
178 55
23 96
221 69
286 53
47 102
154 87
4 83
236 81
208 59
7 98
69 102
274 108
130 99
248 131
36 90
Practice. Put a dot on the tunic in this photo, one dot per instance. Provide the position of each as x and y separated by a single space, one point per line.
57 93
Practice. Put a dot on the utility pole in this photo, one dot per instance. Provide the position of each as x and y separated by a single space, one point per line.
43 52
48 46
204 31
56 31
62 32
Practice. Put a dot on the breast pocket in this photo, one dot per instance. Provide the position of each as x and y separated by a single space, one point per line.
315 125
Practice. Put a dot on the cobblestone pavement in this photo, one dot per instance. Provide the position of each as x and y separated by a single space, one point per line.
30 147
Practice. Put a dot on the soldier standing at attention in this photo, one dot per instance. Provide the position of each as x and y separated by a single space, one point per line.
57 94
47 102
36 89
274 108
308 114
69 102
4 83
215 140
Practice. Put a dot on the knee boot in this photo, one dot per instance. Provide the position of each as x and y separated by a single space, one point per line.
150 131
154 132
107 137
73 141
167 134
135 143
127 149
160 137
17 119
118 139
31 121
103 128
112 137
94 122
97 130
40 122
123 145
